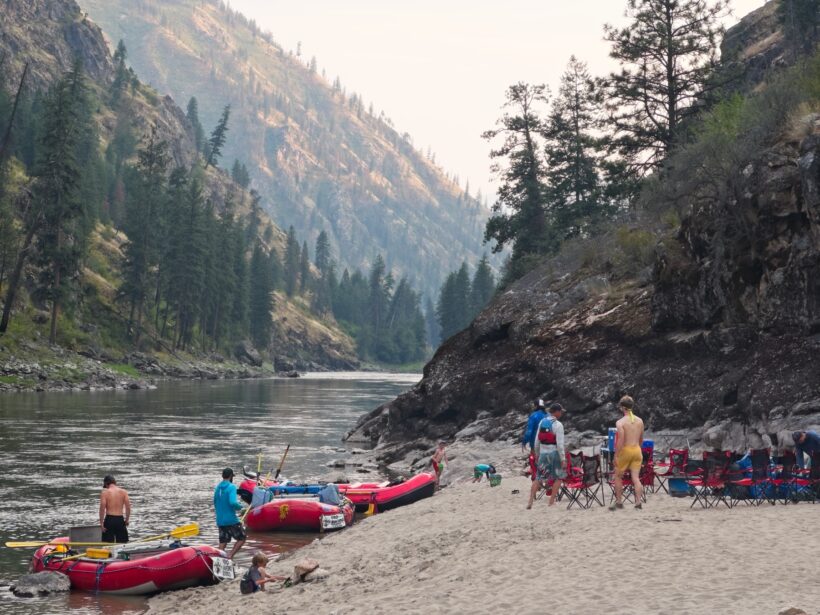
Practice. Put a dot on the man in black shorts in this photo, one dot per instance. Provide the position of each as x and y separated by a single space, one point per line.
226 504
115 511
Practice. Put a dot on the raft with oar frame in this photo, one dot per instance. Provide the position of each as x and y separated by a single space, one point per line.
385 496
130 569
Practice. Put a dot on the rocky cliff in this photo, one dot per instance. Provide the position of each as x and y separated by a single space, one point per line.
721 338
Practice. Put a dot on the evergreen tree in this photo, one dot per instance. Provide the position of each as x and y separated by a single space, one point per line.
261 299
239 173
482 288
277 275
193 117
667 54
122 76
142 250
519 214
304 268
576 202
217 139
322 255
292 256
57 173
431 323
454 307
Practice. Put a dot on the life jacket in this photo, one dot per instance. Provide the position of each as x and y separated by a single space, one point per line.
545 434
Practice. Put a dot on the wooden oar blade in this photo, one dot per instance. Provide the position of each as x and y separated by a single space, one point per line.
32 544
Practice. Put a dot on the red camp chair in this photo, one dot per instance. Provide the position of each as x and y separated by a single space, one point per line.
710 487
754 489
674 466
587 488
809 480
647 474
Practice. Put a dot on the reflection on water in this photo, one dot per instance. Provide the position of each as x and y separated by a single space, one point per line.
168 448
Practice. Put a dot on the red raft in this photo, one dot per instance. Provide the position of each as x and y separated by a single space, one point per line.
385 496
299 514
391 495
148 569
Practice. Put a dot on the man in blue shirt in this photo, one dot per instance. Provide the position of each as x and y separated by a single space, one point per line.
226 504
532 426
805 443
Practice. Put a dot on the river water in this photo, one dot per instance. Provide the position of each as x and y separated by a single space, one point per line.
167 447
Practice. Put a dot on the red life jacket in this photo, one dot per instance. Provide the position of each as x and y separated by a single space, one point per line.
545 435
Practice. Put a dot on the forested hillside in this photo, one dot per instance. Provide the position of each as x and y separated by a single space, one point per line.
322 157
116 231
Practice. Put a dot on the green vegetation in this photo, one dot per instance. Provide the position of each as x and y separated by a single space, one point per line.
124 369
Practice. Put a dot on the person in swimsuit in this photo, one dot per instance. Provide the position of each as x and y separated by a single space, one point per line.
628 455
439 460
115 511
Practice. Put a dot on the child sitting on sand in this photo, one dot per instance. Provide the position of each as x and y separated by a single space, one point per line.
439 460
256 577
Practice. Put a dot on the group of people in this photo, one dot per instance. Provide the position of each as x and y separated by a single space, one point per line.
544 435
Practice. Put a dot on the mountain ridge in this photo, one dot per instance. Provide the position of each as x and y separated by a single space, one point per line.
324 161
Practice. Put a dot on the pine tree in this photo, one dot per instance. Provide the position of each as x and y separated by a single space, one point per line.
60 241
667 54
519 214
239 173
482 288
304 268
142 221
573 151
193 117
122 76
431 323
217 139
292 256
322 255
261 299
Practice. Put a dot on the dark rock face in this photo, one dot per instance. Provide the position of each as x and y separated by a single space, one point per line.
246 353
40 584
756 262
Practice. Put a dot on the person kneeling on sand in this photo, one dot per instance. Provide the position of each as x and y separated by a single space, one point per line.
481 470
256 577
549 450
628 455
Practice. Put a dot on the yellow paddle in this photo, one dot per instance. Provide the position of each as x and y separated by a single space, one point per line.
183 531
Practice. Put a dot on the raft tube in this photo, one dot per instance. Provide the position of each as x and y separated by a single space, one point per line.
149 569
295 515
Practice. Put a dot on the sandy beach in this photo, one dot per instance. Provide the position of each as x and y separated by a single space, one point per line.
475 549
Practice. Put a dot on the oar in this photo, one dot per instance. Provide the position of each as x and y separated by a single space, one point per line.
282 462
183 531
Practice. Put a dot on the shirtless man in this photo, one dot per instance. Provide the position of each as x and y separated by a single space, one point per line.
113 503
628 454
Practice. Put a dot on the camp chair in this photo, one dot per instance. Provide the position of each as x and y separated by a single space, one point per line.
673 467
754 488
807 482
709 487
587 488
647 473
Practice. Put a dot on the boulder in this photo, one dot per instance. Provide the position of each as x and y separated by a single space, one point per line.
40 584
246 353
302 569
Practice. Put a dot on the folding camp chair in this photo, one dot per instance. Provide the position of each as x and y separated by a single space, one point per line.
807 482
710 488
752 486
587 488
674 466
647 473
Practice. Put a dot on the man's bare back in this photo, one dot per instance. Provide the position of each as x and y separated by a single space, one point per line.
114 501
630 428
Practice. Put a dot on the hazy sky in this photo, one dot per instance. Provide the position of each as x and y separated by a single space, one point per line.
439 68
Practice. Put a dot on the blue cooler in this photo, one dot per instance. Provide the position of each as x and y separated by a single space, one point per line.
610 439
678 487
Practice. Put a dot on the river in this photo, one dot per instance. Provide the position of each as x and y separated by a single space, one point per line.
167 447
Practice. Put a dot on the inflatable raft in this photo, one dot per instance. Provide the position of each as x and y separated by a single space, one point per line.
299 514
135 569
385 496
